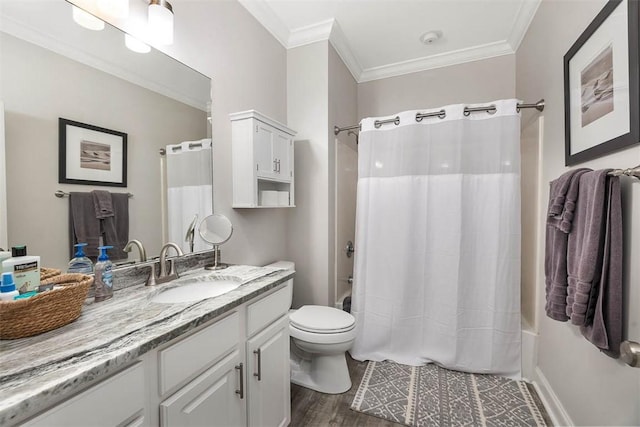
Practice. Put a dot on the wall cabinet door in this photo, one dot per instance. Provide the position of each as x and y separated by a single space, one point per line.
282 148
269 395
215 398
263 150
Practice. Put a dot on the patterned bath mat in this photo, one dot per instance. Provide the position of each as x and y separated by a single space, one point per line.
433 396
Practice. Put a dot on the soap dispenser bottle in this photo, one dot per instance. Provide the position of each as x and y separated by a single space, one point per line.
80 263
8 288
103 276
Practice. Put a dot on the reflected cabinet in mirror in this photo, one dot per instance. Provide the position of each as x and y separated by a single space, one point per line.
52 68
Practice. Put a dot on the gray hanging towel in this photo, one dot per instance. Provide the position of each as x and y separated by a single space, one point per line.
594 262
116 227
84 227
563 194
103 204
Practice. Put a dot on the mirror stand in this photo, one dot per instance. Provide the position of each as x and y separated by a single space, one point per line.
216 256
216 229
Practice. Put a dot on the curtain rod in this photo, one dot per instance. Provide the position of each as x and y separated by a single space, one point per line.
60 194
441 114
178 147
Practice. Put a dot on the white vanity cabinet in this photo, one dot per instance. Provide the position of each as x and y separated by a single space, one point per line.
262 161
268 377
212 399
116 401
233 372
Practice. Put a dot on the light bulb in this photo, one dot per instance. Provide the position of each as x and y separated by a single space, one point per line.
136 45
161 21
87 20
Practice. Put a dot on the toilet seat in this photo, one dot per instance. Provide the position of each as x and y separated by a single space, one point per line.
318 319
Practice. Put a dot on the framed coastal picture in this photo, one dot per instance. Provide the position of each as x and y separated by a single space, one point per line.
91 155
601 85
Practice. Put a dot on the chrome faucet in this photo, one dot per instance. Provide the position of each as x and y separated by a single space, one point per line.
138 244
151 281
164 276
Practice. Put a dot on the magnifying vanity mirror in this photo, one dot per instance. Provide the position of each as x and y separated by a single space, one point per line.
53 68
216 229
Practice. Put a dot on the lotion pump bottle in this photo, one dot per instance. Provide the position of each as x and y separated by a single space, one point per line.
25 269
80 263
103 276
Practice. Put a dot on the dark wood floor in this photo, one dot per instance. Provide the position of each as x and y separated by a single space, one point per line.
310 408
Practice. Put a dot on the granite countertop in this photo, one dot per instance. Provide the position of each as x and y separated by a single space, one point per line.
39 371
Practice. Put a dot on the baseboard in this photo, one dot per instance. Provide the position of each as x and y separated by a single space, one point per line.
529 350
550 400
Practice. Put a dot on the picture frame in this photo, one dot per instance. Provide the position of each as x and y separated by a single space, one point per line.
91 155
601 85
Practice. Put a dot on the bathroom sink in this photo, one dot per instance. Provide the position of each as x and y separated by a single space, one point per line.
196 289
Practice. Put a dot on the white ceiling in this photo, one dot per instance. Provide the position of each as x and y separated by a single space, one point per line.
381 38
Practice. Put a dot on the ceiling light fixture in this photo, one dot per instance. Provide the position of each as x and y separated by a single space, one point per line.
87 20
430 37
136 45
114 8
161 21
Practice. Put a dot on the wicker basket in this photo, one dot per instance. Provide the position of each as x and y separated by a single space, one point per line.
48 273
46 311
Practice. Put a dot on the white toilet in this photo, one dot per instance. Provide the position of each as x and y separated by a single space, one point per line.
320 337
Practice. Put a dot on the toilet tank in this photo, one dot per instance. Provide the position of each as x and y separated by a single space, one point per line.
285 265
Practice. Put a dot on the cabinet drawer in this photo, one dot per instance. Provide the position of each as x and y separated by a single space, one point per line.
109 403
268 309
180 362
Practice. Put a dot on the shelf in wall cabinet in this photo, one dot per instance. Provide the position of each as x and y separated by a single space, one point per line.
260 207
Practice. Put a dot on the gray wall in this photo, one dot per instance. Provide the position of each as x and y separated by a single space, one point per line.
472 82
249 71
343 111
37 87
584 385
307 104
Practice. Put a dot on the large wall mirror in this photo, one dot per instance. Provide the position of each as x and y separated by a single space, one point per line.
52 68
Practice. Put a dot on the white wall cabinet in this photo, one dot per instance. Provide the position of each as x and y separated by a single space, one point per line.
262 161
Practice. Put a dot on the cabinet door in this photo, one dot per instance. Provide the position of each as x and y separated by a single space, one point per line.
262 146
269 396
115 401
215 398
282 149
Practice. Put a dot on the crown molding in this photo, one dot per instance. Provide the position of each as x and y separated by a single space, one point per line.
310 34
268 18
521 23
341 45
461 56
33 35
330 30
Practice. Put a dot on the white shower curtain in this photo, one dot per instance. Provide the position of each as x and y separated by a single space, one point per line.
437 267
189 190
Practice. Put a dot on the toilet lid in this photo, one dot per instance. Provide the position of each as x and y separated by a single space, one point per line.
322 320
